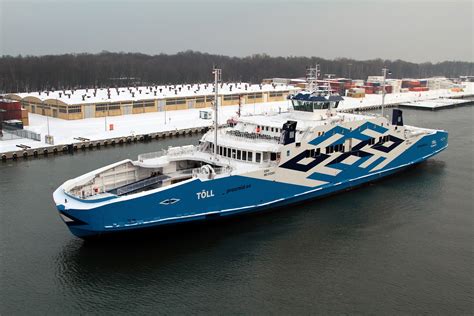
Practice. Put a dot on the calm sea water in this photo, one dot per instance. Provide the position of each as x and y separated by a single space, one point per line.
401 245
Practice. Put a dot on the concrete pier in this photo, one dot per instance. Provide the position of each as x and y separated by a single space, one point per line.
96 144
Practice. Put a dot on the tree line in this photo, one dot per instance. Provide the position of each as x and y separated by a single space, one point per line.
107 69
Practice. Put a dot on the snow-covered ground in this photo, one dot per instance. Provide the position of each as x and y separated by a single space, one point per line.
65 131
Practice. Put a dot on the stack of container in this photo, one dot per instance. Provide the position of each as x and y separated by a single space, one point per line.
13 111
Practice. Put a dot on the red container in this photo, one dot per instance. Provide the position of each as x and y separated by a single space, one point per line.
9 105
12 115
413 83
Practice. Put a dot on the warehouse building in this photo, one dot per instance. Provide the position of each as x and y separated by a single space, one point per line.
100 102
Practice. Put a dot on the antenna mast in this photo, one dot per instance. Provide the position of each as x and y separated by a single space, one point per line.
217 78
312 75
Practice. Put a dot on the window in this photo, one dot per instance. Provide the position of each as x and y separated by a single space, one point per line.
244 155
273 156
175 101
233 153
318 151
275 94
249 156
75 109
272 129
220 150
258 157
239 154
288 153
231 97
298 144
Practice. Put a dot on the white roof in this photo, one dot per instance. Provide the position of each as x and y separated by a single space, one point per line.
148 92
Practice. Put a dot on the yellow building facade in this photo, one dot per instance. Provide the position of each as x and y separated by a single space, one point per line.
55 107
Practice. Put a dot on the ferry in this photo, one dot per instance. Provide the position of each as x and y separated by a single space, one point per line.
254 163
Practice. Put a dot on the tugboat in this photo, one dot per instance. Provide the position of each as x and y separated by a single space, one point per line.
256 163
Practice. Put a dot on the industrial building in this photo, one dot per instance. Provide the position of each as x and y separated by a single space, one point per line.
100 102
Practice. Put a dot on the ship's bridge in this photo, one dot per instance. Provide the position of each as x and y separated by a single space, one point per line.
310 102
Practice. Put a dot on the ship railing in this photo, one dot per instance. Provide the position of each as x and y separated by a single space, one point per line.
152 155
171 151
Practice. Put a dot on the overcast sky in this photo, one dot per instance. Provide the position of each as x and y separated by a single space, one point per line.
418 31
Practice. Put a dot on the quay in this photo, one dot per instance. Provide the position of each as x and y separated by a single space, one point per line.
436 104
86 144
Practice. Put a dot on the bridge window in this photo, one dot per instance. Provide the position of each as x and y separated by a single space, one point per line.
249 156
258 157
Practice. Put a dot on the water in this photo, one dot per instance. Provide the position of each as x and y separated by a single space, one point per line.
402 245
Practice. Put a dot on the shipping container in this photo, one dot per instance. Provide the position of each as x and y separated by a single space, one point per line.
10 105
418 89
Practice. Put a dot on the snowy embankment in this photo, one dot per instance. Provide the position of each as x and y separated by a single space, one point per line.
66 132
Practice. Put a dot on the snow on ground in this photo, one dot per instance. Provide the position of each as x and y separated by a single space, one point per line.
65 131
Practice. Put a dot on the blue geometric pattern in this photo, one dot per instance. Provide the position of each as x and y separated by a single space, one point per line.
347 133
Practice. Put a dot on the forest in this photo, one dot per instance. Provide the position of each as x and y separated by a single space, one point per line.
108 69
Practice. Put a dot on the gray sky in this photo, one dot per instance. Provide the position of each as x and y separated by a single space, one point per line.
420 30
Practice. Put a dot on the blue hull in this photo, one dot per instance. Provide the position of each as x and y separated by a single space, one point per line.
230 196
